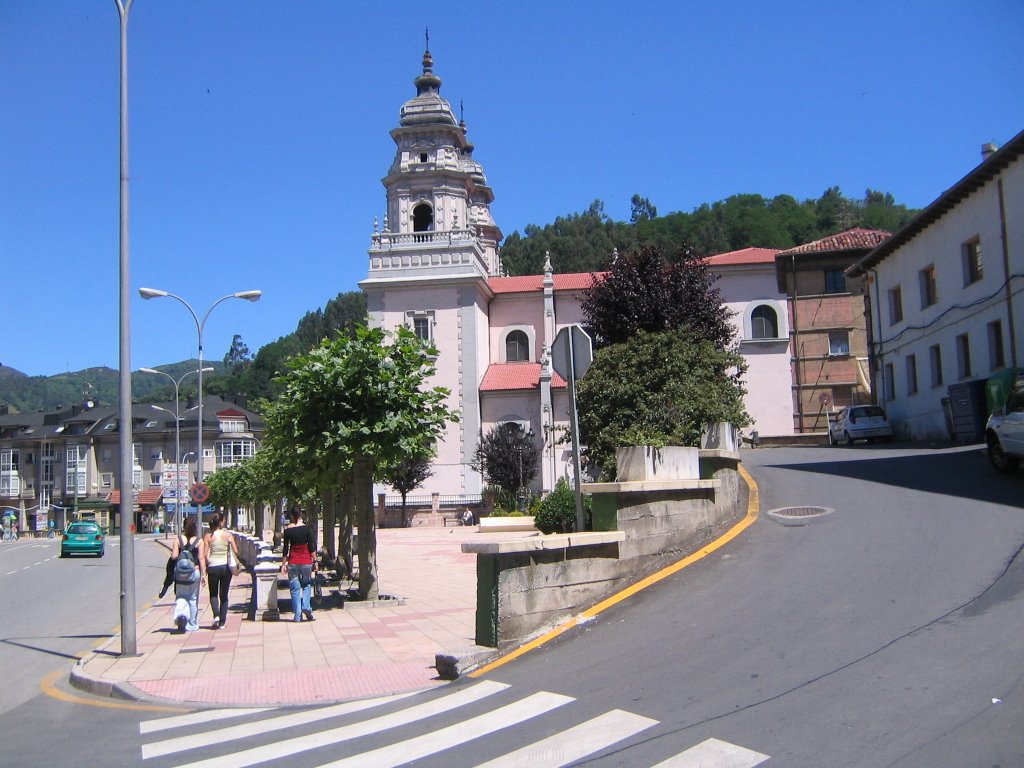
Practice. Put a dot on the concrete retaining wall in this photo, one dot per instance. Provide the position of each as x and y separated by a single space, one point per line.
528 584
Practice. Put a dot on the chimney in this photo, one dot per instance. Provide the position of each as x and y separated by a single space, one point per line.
190 402
987 150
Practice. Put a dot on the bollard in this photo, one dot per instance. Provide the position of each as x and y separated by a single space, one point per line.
264 586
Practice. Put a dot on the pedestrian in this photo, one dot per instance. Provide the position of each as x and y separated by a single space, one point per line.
221 553
14 530
297 560
188 577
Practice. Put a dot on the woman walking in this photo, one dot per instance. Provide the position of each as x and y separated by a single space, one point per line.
218 550
186 553
299 563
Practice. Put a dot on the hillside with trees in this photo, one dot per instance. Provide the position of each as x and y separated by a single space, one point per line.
580 242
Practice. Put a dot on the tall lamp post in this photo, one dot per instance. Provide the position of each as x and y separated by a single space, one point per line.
154 293
178 497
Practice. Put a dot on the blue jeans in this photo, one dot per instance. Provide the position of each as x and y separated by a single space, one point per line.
300 584
187 603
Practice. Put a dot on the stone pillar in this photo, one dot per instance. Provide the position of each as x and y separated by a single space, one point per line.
264 586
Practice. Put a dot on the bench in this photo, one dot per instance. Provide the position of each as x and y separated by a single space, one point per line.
453 517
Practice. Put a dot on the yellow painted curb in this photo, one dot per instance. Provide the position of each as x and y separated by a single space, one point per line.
753 507
49 686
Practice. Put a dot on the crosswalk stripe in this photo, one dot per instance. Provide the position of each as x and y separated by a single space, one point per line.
347 732
454 735
232 733
205 716
574 743
714 753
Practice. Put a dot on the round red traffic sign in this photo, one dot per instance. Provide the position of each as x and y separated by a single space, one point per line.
199 493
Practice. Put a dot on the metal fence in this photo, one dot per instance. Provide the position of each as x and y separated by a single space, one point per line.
425 500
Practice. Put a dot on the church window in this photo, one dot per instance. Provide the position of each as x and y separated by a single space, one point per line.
422 324
764 323
423 157
422 218
517 347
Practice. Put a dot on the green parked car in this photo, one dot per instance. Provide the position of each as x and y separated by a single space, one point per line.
82 539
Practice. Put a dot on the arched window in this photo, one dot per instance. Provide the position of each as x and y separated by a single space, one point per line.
517 347
422 218
764 323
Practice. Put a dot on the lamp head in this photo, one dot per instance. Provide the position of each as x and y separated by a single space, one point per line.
248 295
151 293
207 370
149 370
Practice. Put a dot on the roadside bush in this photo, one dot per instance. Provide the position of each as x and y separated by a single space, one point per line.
557 511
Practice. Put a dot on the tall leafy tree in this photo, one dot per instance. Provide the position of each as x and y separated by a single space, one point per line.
657 389
640 291
508 458
352 409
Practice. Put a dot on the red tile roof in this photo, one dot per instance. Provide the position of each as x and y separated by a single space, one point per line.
744 256
572 281
146 497
512 376
851 239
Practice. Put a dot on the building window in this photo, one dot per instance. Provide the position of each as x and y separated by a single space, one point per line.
74 470
889 382
895 305
963 356
935 357
231 452
156 454
764 323
422 218
911 375
422 324
972 261
154 479
233 425
996 359
838 343
835 281
517 347
10 479
107 479
929 292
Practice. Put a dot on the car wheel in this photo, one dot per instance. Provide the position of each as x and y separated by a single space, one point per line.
63 553
1005 464
848 440
100 553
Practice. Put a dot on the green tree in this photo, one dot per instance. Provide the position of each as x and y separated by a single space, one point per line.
351 410
408 475
657 389
641 292
238 355
641 209
508 459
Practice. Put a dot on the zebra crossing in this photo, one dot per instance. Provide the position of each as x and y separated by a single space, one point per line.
216 739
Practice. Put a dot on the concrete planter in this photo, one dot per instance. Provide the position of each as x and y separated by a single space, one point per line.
506 523
644 462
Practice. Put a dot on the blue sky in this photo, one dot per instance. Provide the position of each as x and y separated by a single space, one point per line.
259 132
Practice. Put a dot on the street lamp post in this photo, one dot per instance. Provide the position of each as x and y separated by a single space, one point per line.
154 293
519 452
178 497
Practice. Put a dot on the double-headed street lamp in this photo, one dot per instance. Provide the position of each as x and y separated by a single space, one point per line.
178 498
153 293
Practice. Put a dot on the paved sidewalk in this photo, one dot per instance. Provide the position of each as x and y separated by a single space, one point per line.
347 653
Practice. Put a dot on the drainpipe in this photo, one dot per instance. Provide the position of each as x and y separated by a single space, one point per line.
875 358
797 373
1007 275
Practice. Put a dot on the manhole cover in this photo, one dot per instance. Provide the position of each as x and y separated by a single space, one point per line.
798 515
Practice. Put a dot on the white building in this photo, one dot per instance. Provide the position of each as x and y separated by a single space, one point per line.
944 294
434 266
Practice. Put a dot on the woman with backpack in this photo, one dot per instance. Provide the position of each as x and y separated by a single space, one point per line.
219 547
298 562
188 577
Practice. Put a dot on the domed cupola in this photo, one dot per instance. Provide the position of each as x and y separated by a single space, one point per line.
427 108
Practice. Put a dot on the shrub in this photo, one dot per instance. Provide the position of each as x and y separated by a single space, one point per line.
557 511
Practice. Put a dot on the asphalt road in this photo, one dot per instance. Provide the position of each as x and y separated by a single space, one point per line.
887 633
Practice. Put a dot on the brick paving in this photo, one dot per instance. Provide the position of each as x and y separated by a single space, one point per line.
349 652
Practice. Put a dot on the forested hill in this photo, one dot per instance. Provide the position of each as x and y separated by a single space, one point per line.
581 242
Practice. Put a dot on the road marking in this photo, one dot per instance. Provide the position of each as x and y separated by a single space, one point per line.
49 687
205 716
714 753
575 743
346 732
195 740
454 735
753 506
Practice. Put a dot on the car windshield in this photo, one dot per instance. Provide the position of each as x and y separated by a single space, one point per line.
83 528
869 411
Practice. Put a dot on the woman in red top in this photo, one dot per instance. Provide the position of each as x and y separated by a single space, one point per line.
299 563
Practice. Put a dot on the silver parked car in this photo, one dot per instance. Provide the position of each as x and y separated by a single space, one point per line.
1004 432
858 422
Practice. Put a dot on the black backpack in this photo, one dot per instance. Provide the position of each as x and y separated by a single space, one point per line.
185 565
